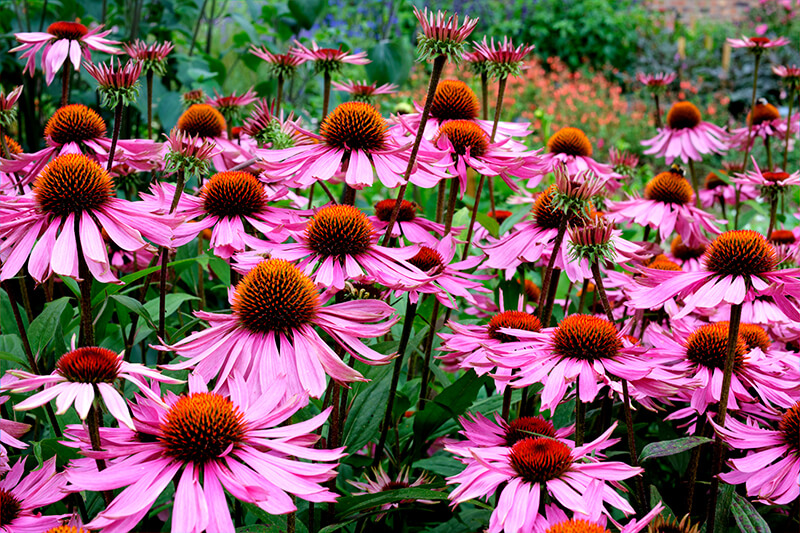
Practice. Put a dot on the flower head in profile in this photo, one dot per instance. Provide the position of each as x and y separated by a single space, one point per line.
737 266
80 376
62 40
272 131
195 96
442 35
476 60
772 464
187 153
327 60
362 91
153 56
281 66
383 482
207 443
790 75
656 83
21 495
773 185
271 332
763 121
537 468
757 45
686 135
623 161
73 198
117 84
232 106
572 147
8 109
503 59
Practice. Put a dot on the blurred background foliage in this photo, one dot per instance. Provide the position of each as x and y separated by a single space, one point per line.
587 53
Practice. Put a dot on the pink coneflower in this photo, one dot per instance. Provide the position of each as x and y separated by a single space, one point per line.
689 258
188 153
480 432
72 199
442 35
763 121
686 136
623 162
363 91
8 109
205 122
116 83
281 65
339 243
757 45
556 520
383 482
20 496
353 140
770 471
271 332
771 184
231 106
504 59
206 443
572 147
153 57
538 467
62 40
656 83
701 353
409 225
581 346
446 280
475 345
455 100
327 59
226 202
77 129
80 376
668 205
738 266
466 145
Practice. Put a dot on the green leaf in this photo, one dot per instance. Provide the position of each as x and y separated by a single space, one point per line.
134 305
724 501
306 12
221 269
513 219
489 223
655 498
43 327
365 416
451 403
353 504
391 62
47 448
172 303
747 518
440 464
671 447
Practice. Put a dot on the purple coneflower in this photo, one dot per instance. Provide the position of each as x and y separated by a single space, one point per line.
271 332
72 201
656 83
757 45
383 482
21 495
442 35
362 91
686 136
62 40
207 443
116 83
152 56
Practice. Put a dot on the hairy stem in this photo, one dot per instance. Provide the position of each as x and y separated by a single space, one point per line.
426 366
149 79
117 123
544 296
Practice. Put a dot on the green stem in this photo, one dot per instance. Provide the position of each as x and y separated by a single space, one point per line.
451 205
474 217
326 94
411 312
722 411
436 73
658 111
773 214
149 103
788 129
544 296
769 153
695 183
65 76
580 415
279 98
426 368
115 137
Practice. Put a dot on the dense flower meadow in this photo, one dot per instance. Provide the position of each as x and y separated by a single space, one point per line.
453 316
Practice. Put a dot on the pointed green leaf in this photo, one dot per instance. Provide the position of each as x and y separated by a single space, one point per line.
671 447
